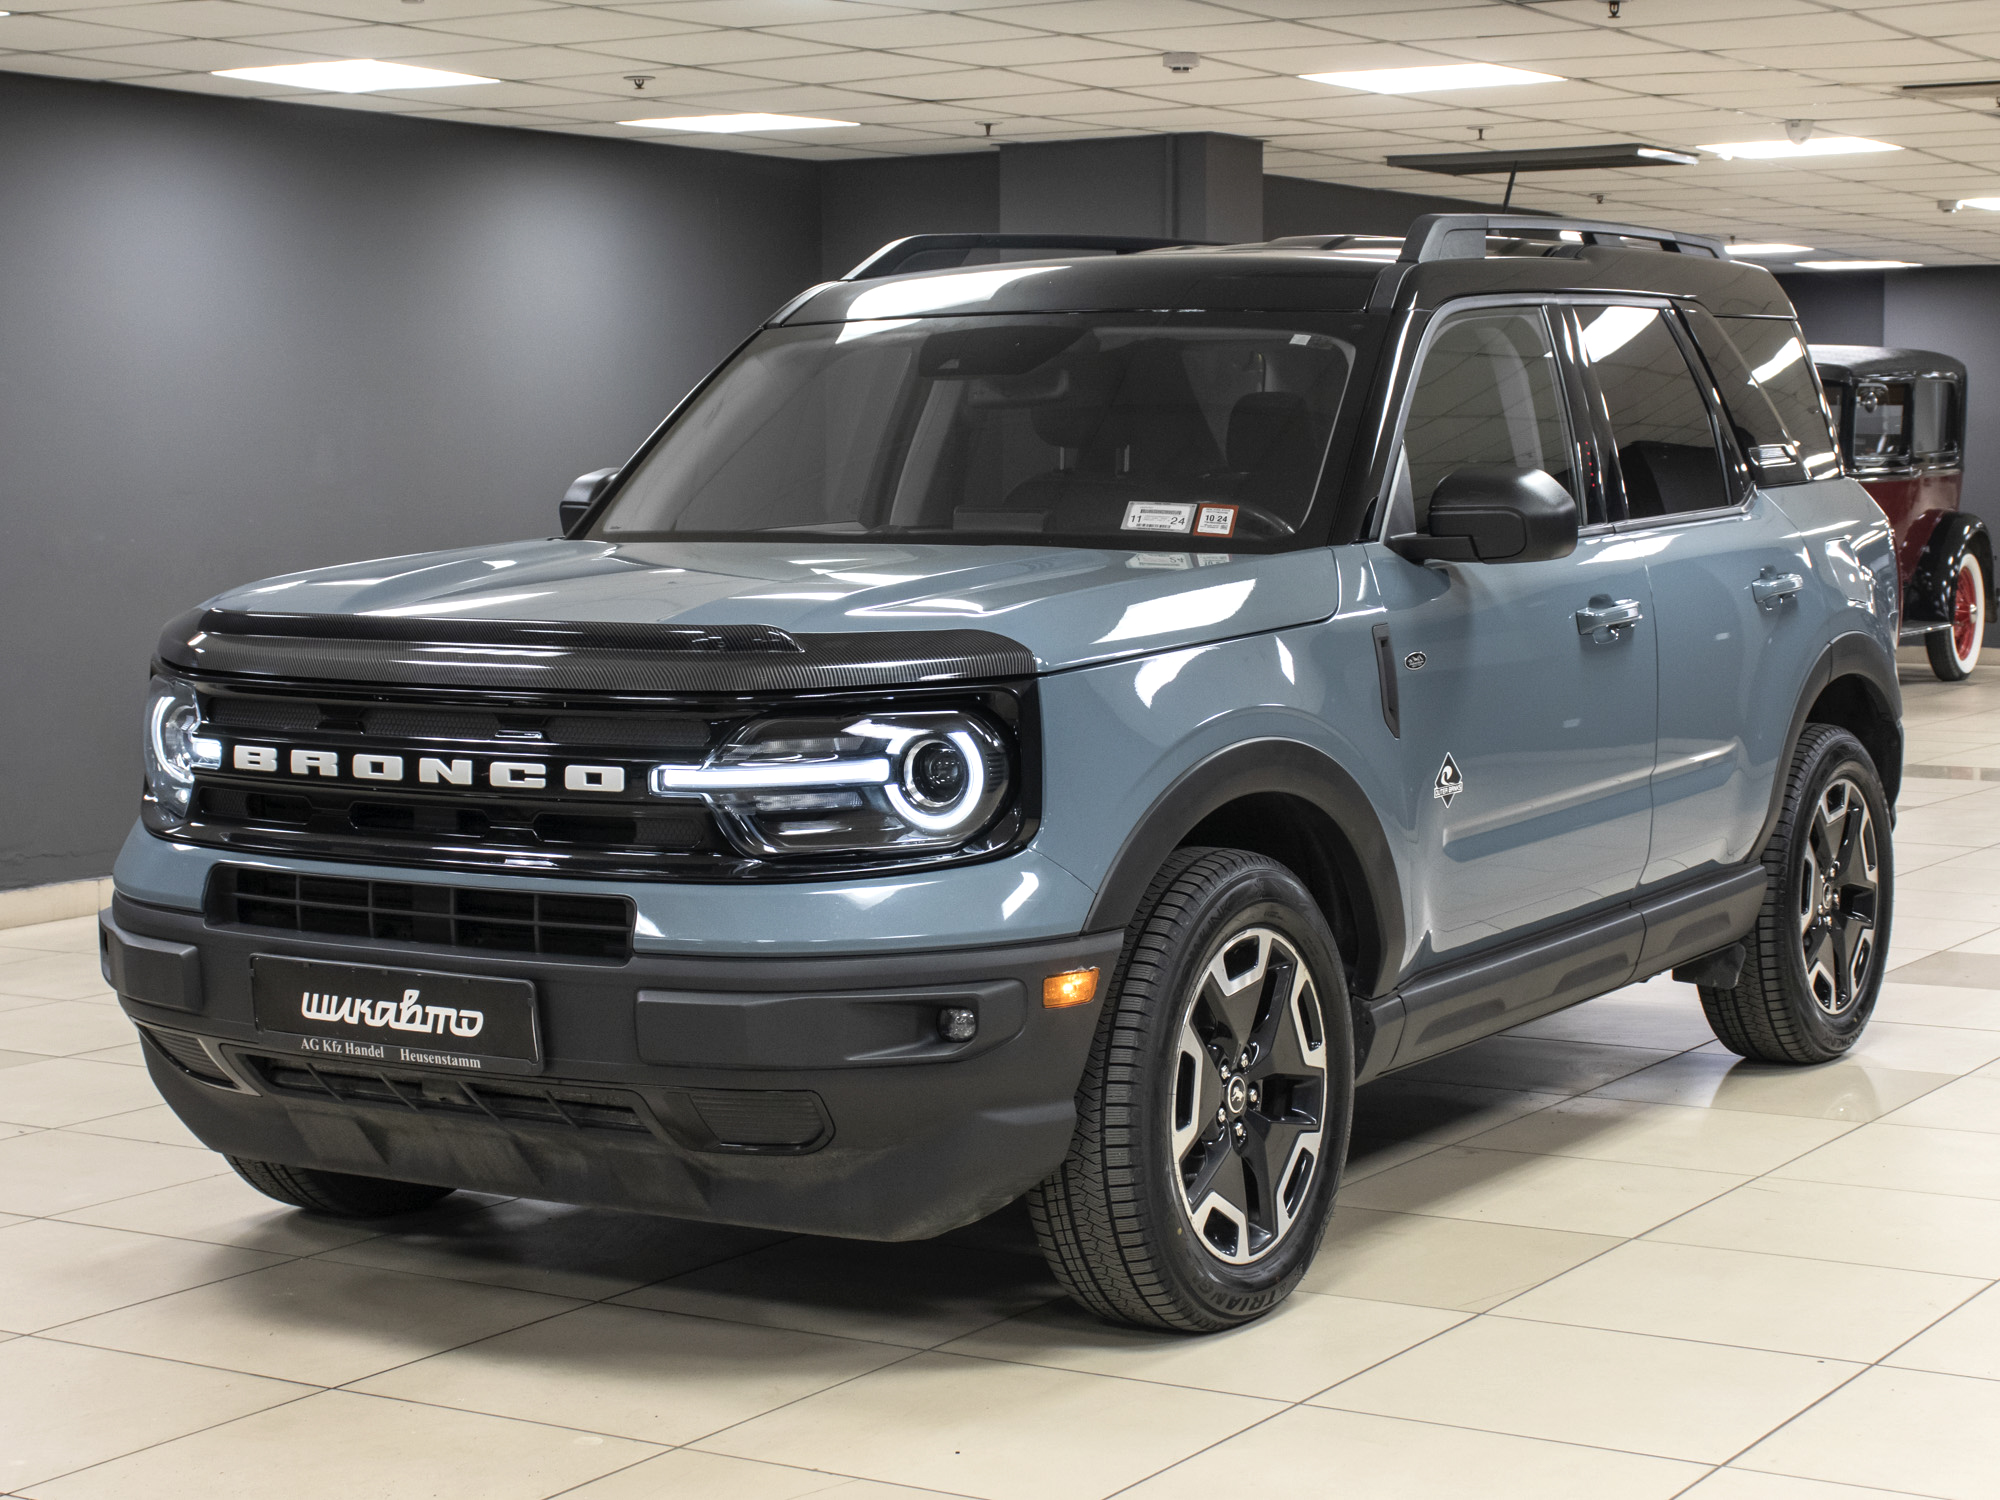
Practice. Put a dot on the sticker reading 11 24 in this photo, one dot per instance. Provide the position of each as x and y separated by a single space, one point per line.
1158 515
1216 520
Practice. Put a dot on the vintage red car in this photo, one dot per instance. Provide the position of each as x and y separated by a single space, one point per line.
1900 414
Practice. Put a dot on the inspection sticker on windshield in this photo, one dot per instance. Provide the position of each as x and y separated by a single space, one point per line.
1158 515
1216 520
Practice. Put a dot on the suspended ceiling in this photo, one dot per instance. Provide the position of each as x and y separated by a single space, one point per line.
924 76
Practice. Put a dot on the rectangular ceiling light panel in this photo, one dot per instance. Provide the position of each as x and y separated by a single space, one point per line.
1858 265
1819 145
1772 249
360 75
1432 80
740 124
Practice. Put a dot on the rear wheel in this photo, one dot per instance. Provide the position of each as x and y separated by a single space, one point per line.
337 1194
1817 954
1213 1115
1955 652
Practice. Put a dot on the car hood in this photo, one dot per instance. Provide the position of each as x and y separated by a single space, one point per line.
1067 606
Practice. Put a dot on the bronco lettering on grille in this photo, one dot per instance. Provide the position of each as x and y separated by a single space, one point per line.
429 770
408 1015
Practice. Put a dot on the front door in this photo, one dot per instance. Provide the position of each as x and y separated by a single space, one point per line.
1526 690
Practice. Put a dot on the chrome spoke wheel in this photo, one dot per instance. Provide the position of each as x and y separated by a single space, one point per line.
1249 1096
1838 889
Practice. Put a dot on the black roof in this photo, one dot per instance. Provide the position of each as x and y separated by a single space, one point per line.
1445 256
1842 364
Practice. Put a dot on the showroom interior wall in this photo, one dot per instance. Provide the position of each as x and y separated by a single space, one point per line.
1953 309
238 338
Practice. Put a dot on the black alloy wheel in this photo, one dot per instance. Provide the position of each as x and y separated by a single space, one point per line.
1213 1114
1815 960
1248 1106
1839 887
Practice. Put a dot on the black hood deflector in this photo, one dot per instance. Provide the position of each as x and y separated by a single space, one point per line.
535 656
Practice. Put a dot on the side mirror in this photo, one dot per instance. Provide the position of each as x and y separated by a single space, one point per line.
581 495
1494 513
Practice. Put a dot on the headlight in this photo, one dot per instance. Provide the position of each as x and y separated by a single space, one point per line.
906 781
175 745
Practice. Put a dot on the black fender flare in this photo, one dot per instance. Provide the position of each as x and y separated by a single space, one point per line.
1862 656
1366 867
1929 594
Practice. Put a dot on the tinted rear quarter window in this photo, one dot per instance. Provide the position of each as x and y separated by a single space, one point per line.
1775 351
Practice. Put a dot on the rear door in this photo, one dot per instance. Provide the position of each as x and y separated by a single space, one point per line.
1526 733
1729 579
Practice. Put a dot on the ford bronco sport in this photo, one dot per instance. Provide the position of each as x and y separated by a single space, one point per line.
1045 727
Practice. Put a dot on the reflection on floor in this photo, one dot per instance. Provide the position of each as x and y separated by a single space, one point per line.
1596 1258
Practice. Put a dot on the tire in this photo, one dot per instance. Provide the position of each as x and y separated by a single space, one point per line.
336 1194
1817 954
1221 940
1955 652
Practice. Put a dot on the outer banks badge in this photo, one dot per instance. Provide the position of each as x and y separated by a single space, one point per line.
1450 781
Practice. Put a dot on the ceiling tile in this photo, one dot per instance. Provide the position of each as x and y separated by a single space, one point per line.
834 66
1131 72
208 18
57 66
701 49
388 42
571 24
396 12
32 33
199 56
1097 16
1484 20
915 30
1025 51
759 12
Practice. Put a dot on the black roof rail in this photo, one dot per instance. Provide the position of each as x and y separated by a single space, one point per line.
893 256
1463 236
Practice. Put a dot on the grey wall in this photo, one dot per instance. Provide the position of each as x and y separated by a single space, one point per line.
1298 205
238 338
1837 307
866 204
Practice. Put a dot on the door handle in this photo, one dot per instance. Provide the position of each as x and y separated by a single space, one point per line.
1605 618
1772 588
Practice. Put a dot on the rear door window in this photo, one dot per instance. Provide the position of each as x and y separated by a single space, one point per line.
1669 459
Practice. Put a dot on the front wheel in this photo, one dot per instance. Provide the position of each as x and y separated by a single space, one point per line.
339 1195
1955 652
1213 1115
1817 954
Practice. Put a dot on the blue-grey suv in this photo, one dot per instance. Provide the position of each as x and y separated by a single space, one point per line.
1046 726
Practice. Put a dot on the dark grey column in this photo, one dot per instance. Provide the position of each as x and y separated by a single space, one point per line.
1205 187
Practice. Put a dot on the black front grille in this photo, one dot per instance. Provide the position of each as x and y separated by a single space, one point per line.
564 1105
553 924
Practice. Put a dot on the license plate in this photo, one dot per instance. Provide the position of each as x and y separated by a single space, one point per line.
413 1017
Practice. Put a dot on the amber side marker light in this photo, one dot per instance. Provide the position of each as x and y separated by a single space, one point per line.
1077 987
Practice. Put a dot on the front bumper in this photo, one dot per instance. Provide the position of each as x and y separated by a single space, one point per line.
801 1094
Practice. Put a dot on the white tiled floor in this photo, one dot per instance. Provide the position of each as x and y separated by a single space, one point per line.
1596 1258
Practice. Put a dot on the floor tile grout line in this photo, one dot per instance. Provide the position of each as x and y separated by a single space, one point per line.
192 1432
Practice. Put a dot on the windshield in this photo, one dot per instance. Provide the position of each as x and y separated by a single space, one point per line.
991 429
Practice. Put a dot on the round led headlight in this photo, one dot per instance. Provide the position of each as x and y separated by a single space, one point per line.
174 744
895 782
